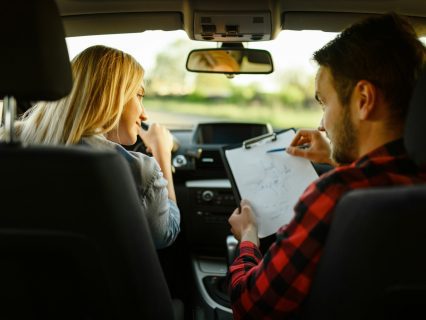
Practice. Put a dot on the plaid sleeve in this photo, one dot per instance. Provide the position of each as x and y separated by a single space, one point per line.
275 286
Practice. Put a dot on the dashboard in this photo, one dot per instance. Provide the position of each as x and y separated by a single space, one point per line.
204 192
228 133
200 148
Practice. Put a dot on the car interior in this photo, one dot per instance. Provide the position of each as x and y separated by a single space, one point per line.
71 253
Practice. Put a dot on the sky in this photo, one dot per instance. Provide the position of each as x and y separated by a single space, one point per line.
143 46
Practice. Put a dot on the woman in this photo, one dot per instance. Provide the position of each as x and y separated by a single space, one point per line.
103 111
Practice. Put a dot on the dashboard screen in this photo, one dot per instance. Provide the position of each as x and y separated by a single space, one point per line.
228 133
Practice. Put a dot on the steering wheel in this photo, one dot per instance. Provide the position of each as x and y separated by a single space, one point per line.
139 146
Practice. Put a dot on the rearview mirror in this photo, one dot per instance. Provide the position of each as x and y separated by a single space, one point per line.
230 61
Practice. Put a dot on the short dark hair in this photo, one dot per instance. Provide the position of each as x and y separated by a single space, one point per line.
382 49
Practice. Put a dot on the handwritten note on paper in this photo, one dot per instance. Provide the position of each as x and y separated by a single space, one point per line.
272 182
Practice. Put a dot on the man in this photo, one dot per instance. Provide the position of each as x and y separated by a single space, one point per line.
364 82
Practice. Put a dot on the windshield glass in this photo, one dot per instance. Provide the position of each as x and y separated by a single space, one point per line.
178 98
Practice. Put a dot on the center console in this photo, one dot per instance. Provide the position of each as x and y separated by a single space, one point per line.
211 203
206 201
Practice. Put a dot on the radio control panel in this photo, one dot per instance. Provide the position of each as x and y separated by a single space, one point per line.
215 197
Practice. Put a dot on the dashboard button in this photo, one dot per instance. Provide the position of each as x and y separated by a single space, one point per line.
179 161
207 195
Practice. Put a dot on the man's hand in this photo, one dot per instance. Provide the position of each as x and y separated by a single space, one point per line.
316 147
243 223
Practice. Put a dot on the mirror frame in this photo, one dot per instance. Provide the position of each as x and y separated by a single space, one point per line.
247 50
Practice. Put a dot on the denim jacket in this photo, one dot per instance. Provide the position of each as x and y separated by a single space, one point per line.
162 213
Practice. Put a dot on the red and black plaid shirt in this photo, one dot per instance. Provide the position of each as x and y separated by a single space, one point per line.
274 287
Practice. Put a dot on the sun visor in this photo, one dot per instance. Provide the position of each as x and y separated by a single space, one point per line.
110 23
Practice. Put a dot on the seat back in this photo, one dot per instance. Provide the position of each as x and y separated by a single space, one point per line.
373 265
76 245
74 242
374 262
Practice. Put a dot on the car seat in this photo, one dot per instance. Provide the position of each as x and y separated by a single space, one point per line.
374 260
74 242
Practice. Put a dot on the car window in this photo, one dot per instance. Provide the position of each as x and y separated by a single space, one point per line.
180 99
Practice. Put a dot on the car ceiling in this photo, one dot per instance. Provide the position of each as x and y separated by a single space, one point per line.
90 17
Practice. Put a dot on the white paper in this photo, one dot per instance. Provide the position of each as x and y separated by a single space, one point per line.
272 182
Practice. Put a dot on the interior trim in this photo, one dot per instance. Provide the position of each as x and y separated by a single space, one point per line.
112 23
199 275
334 21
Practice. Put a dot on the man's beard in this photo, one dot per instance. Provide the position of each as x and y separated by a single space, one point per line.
345 140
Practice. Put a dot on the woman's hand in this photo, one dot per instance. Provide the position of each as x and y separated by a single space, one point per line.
316 147
157 139
159 142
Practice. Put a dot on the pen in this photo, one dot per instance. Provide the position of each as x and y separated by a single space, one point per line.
303 146
276 150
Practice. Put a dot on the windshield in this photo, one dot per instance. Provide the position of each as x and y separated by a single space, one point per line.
178 98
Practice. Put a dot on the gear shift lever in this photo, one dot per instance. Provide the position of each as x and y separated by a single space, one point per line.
231 248
216 286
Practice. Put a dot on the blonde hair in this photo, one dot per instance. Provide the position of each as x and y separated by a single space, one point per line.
105 79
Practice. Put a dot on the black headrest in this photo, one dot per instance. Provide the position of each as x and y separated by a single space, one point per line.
415 125
33 58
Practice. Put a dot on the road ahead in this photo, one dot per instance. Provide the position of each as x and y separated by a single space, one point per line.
178 120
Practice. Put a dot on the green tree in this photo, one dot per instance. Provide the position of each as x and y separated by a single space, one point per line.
297 89
169 75
212 85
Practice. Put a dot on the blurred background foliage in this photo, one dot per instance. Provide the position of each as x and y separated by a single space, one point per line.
170 87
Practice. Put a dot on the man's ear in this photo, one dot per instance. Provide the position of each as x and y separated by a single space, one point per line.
365 95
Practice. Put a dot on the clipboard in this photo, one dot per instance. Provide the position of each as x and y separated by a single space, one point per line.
272 182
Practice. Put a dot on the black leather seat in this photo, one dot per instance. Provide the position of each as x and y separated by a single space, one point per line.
374 261
74 243
76 246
